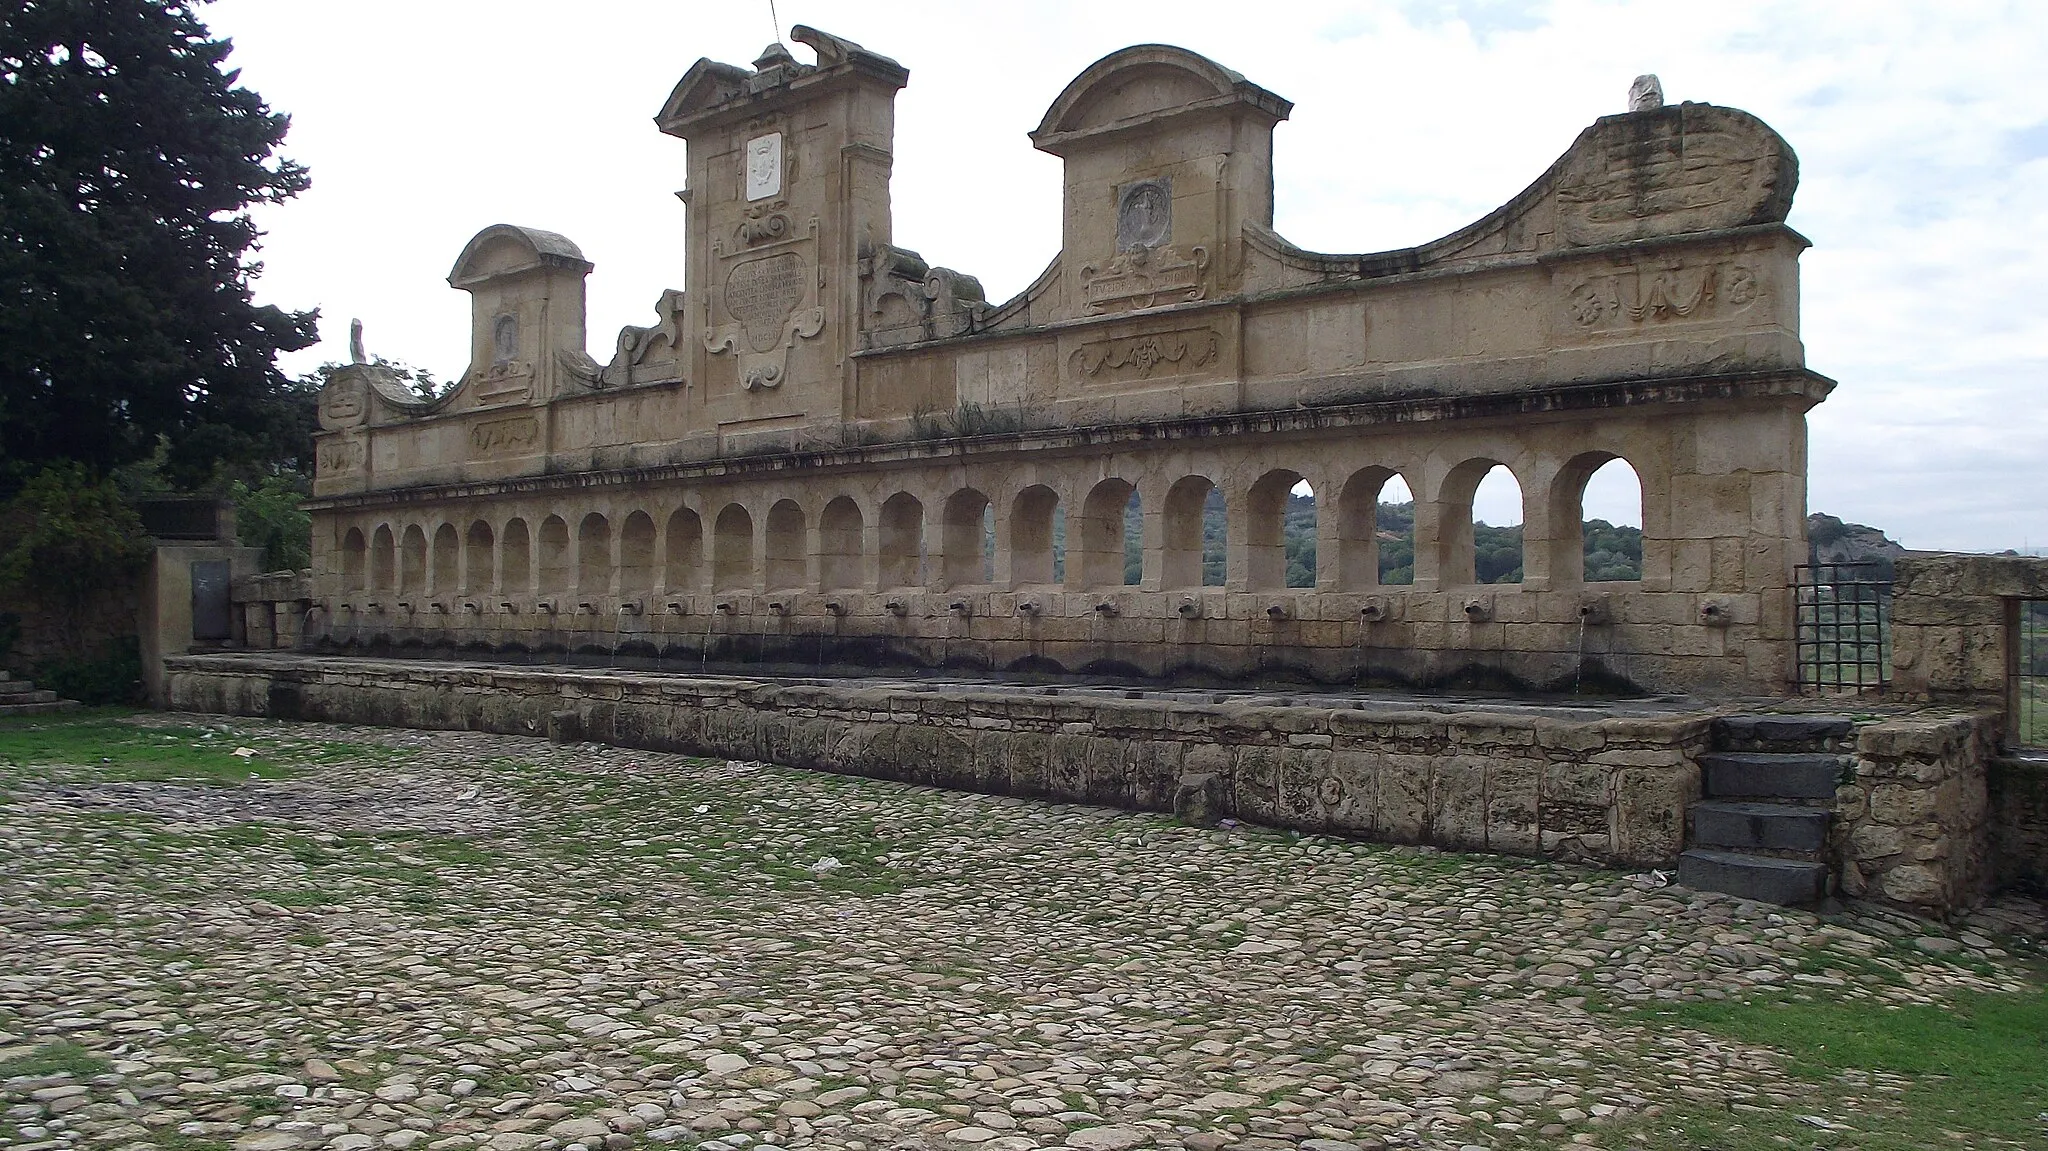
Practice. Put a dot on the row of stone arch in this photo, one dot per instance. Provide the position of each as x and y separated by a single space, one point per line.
901 544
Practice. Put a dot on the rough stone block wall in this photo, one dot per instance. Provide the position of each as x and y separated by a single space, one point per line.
1598 790
1912 818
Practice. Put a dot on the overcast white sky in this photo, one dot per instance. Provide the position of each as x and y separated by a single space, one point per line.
1922 133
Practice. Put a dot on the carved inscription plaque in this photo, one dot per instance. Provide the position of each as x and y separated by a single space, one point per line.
762 293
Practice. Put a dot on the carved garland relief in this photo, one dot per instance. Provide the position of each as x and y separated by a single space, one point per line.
1161 354
339 456
504 437
1638 296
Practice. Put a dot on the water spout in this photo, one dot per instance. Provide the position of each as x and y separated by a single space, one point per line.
778 607
675 607
835 607
1277 611
472 607
1029 608
897 607
1106 609
1190 607
508 607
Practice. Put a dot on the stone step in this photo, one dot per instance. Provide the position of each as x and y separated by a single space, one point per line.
1781 732
1788 882
27 695
1752 826
1769 775
8 684
54 705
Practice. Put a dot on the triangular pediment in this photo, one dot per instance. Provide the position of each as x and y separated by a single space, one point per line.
707 85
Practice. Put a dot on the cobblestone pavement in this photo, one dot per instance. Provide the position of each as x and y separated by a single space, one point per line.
471 941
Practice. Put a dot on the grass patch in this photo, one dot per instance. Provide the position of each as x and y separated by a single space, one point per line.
60 1058
112 749
1978 1065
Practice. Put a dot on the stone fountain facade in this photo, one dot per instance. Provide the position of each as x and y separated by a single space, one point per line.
796 460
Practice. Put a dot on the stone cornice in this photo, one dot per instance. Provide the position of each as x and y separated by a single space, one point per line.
1799 387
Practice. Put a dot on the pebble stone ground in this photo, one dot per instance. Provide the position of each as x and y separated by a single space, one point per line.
435 940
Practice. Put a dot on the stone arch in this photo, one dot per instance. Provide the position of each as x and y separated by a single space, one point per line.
447 565
1035 539
1266 537
783 548
636 555
839 545
515 558
354 553
412 560
902 541
478 567
1574 554
594 555
732 549
965 554
1457 562
1098 551
1192 555
683 552
1358 528
555 563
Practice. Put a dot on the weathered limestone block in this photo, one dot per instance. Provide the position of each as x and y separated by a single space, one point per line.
1649 812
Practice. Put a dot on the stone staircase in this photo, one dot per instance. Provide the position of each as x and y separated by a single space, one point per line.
1761 830
20 697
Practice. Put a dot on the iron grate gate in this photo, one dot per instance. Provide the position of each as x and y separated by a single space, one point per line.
2030 674
1842 628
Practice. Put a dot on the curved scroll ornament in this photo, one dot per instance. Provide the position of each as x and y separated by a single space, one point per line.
764 296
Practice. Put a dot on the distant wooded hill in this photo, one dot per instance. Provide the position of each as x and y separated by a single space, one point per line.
1612 553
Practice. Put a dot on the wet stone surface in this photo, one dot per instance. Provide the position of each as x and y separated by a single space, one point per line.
477 941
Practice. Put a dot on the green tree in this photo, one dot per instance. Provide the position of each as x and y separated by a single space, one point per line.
128 160
68 535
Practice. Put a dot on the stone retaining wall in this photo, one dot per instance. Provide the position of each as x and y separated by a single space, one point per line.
1522 781
1912 823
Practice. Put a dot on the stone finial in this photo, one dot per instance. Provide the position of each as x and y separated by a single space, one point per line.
1646 94
355 343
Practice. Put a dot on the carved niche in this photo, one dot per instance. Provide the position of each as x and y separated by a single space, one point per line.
1637 295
